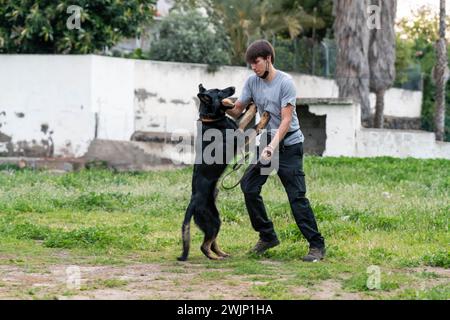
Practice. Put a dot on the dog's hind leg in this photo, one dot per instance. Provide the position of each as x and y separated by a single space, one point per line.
210 231
215 248
206 249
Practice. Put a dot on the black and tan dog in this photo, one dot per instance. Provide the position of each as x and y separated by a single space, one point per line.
213 105
205 176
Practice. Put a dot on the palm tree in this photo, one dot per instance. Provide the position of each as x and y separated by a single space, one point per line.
248 20
352 39
382 56
440 75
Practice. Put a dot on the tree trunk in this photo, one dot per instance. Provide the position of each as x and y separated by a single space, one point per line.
382 55
352 39
379 110
440 77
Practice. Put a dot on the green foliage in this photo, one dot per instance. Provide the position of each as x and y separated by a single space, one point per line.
248 20
9 167
191 37
441 292
405 59
422 27
304 55
438 259
324 13
30 26
415 45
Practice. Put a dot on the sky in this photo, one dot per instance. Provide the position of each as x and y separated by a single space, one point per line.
404 7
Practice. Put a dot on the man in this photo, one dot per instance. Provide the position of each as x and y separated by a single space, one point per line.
274 91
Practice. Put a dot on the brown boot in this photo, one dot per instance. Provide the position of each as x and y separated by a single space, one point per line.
314 254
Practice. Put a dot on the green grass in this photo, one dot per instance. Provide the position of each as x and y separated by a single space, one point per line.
392 213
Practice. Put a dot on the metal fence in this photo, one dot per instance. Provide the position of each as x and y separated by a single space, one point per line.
307 56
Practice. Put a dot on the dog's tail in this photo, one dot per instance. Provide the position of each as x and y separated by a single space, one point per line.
186 235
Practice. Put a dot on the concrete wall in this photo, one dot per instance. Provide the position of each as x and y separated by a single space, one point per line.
342 119
112 97
165 93
400 103
399 144
48 103
344 136
57 105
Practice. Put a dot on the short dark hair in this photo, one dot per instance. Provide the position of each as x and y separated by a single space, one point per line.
260 48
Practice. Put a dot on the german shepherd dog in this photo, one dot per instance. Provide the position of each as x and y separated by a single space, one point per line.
205 176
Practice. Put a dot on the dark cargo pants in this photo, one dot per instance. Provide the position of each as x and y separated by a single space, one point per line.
292 177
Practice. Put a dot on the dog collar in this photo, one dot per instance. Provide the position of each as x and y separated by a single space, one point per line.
210 120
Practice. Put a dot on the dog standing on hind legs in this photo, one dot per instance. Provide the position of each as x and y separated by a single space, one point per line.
202 205
213 105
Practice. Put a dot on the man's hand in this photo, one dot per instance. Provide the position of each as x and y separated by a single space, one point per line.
228 103
236 111
267 153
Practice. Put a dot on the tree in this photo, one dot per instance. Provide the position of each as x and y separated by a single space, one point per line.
30 26
323 10
382 55
190 37
422 31
440 75
352 39
248 20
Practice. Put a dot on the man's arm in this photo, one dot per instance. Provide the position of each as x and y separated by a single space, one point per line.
286 118
237 110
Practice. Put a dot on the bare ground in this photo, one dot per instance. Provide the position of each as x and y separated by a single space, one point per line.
157 281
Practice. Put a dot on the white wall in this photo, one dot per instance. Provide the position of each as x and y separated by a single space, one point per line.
65 92
342 119
112 97
400 103
399 144
51 90
171 104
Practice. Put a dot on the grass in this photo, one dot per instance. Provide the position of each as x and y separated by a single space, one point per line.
391 213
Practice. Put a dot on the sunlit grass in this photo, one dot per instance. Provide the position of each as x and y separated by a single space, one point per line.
387 212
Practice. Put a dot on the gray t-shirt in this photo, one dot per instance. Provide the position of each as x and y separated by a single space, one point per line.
272 96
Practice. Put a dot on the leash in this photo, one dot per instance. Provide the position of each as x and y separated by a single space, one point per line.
237 164
235 168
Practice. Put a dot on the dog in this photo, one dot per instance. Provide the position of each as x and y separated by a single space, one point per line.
202 206
212 111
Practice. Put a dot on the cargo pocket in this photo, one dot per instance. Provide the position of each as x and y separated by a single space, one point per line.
299 177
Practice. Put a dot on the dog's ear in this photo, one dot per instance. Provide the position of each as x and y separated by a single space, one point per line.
201 89
228 92
204 98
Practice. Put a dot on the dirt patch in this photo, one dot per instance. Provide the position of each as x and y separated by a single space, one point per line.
143 281
332 290
441 272
173 281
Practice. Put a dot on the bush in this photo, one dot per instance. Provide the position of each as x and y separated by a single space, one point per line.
30 26
190 37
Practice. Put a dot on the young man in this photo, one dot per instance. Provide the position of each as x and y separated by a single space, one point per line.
274 91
